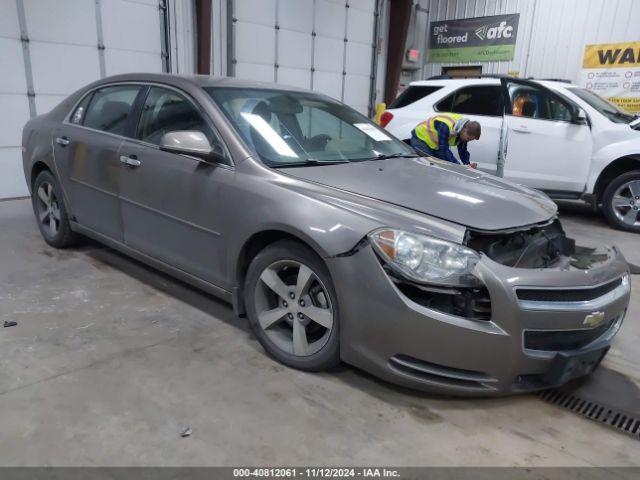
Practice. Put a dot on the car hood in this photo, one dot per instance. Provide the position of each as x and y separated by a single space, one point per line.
436 188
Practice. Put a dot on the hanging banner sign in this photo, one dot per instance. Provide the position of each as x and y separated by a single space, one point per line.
612 70
479 39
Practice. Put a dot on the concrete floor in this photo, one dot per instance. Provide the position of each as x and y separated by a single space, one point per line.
110 361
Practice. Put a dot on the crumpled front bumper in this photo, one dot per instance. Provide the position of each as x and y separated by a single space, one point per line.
389 335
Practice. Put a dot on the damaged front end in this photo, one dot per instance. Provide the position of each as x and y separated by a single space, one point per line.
539 246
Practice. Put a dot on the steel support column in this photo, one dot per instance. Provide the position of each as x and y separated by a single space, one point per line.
26 56
399 16
203 36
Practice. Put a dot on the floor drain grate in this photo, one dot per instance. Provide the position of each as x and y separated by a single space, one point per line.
596 411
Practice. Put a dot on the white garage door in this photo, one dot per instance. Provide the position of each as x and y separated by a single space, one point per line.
50 49
324 45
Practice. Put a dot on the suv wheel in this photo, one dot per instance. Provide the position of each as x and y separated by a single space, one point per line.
292 306
621 202
50 211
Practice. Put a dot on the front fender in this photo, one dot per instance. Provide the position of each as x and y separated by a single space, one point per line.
36 148
605 156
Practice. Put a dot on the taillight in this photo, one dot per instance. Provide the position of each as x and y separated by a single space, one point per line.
385 118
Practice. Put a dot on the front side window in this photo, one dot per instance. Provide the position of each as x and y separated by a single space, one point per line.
285 128
109 108
531 102
475 100
167 111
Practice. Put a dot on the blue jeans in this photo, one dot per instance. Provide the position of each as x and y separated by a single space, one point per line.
421 146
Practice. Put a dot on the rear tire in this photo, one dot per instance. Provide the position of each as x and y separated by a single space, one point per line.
51 212
621 202
299 325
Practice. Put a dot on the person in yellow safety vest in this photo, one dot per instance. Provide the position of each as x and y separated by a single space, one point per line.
435 135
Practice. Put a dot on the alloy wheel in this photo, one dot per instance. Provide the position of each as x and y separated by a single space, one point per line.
626 203
294 308
48 209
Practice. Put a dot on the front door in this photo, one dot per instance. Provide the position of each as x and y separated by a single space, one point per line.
546 148
86 153
173 205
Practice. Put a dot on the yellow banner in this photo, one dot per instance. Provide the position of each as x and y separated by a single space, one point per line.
612 55
629 104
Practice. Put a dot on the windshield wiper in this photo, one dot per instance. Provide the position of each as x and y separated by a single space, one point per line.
308 162
386 156
314 162
621 115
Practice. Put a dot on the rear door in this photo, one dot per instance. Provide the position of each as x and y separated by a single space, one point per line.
173 205
86 150
482 103
545 147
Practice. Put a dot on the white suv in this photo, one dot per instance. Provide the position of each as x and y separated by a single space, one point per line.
550 135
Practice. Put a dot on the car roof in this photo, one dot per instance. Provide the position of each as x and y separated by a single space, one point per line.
556 84
455 82
199 80
458 82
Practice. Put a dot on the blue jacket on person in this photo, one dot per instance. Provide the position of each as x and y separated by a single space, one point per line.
443 152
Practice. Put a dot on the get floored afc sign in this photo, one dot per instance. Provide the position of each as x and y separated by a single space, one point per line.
480 39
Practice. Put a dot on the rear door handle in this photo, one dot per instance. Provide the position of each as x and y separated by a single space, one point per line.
62 141
132 161
521 129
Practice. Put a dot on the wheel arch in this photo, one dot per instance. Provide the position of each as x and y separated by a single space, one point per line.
616 168
37 168
253 245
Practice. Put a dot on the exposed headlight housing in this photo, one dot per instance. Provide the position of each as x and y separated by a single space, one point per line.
422 258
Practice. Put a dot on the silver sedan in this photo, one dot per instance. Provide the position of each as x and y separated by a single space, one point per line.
334 238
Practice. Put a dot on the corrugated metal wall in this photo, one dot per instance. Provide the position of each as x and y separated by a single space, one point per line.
551 33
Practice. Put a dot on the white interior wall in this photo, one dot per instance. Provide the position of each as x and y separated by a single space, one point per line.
182 39
302 43
14 105
60 48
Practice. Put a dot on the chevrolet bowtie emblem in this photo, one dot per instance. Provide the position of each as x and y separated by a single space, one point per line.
593 319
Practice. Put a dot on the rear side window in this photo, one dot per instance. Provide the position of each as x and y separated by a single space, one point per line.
109 108
477 100
412 94
81 109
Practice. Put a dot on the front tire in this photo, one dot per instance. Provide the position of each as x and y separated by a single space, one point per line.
292 306
621 202
51 212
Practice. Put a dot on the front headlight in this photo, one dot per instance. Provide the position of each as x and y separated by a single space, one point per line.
422 258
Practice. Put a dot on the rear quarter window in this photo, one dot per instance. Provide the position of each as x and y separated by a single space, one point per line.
412 94
473 100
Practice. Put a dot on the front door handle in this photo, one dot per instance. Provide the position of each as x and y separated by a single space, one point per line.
132 161
521 129
62 141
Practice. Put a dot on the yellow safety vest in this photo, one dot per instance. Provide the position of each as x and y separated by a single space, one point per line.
426 131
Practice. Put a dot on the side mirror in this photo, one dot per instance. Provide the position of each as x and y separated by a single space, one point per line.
193 143
580 117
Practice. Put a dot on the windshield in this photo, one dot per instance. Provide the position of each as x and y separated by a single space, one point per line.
605 107
299 129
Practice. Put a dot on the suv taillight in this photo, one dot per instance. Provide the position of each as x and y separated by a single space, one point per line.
385 118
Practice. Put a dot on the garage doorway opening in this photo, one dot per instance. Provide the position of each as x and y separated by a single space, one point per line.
466 71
